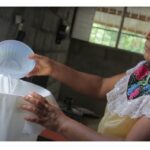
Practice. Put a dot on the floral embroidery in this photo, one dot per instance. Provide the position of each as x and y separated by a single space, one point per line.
141 72
139 82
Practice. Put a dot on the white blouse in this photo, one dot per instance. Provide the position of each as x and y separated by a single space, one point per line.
119 104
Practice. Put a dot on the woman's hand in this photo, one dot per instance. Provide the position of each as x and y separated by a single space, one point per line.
44 113
43 66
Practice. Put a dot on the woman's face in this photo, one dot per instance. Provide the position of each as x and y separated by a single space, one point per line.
147 47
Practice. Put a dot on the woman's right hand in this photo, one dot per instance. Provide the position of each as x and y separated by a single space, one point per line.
43 66
43 112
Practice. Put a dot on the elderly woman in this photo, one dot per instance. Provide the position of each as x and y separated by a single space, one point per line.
127 115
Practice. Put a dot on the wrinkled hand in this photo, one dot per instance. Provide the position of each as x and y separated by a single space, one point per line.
43 65
44 113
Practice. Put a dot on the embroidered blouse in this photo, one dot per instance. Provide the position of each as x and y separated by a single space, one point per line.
127 101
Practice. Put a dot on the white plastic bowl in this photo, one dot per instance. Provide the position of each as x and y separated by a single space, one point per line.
14 61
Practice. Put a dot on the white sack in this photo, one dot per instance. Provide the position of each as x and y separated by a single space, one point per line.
13 127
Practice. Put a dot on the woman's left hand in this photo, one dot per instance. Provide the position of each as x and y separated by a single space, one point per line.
45 114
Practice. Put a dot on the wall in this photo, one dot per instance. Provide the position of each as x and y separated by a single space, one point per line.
40 26
83 23
96 59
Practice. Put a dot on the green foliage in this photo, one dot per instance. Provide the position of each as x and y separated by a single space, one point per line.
130 42
105 35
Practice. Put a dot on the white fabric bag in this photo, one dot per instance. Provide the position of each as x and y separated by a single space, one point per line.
13 127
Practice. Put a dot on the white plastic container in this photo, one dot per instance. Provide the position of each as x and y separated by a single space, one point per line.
13 127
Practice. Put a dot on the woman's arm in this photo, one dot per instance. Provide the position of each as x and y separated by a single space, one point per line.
84 83
140 131
73 130
51 117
